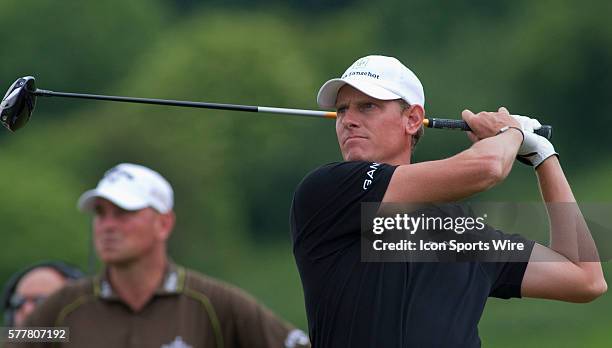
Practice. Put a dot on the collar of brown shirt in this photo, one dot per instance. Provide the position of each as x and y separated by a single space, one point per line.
173 282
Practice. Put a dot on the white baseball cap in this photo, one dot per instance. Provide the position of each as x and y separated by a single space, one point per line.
380 77
131 187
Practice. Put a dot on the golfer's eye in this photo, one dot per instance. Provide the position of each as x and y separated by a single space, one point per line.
123 212
341 110
120 213
98 210
101 212
368 106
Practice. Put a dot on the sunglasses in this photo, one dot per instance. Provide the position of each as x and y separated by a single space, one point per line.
17 301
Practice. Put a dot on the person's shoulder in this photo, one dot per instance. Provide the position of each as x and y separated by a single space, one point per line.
336 167
73 290
331 174
322 170
224 297
212 288
338 178
67 299
199 282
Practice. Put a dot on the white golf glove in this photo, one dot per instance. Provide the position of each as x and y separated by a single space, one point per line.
527 124
535 149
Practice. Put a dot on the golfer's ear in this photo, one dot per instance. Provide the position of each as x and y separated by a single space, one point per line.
414 118
167 222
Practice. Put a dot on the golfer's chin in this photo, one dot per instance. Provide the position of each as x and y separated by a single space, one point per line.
356 154
112 257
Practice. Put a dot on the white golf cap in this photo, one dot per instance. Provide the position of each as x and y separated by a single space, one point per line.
131 187
380 77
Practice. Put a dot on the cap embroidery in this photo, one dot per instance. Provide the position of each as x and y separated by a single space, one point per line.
361 63
115 174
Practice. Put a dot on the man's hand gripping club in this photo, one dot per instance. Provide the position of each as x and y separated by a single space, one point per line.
535 149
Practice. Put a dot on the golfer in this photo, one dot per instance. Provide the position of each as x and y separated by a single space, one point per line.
349 303
142 299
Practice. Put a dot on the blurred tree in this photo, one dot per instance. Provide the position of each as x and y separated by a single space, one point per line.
311 6
74 45
546 59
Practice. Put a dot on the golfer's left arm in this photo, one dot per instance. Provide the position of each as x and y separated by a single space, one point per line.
569 268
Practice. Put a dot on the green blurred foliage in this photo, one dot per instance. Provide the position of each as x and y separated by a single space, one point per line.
303 6
234 173
99 43
545 58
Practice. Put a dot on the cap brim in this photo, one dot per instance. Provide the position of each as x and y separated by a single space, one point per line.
329 91
120 198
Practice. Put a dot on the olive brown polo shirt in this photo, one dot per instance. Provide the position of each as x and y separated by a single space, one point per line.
188 310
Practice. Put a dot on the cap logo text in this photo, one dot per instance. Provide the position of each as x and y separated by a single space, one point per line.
116 173
361 73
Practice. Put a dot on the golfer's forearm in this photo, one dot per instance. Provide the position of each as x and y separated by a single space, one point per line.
501 149
483 165
553 184
569 233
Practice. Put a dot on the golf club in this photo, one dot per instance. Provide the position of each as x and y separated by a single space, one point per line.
18 104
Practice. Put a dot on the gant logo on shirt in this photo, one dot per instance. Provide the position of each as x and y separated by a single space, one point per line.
370 175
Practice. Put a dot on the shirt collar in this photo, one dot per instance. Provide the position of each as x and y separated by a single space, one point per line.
173 283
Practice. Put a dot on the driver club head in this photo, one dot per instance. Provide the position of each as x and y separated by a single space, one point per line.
18 103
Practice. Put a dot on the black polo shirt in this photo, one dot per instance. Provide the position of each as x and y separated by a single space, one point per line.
350 303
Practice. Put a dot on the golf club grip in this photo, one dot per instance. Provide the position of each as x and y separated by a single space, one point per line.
545 130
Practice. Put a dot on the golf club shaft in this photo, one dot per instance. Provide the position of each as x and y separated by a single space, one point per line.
545 131
183 103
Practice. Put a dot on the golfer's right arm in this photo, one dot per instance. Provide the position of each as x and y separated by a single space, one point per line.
569 268
474 170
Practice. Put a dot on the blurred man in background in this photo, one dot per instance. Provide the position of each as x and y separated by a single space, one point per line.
143 299
31 286
380 112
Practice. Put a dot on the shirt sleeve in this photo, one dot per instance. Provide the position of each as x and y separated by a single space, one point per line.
504 267
256 326
506 277
326 209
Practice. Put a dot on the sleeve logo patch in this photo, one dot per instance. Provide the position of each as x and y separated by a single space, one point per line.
370 175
